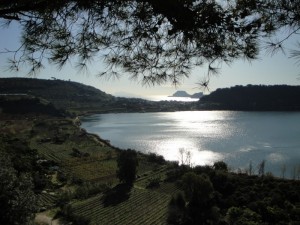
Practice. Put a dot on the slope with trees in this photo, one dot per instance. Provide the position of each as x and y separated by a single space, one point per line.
52 160
81 99
253 97
19 179
222 197
63 94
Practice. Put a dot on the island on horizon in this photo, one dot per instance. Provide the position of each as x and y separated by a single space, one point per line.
184 94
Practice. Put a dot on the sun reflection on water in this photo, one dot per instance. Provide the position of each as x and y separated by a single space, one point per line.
234 137
170 150
189 130
205 123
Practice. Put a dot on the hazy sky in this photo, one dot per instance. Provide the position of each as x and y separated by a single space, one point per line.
277 69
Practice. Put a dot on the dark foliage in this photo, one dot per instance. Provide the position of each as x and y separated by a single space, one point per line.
177 210
116 195
154 158
235 198
154 182
254 97
87 190
68 214
153 41
17 199
220 166
198 204
63 94
27 104
77 98
127 166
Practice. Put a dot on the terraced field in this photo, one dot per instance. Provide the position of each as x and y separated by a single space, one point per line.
86 157
142 207
46 200
62 138
94 170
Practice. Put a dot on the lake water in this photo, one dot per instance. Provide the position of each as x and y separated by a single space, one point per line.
237 138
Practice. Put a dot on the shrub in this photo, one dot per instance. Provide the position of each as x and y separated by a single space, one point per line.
220 165
68 213
88 189
154 158
153 182
61 176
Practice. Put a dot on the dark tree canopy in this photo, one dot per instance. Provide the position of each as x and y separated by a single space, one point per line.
153 41
198 206
17 199
127 166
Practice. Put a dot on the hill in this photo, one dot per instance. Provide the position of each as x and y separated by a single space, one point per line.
63 94
27 104
82 99
57 171
180 94
73 180
253 97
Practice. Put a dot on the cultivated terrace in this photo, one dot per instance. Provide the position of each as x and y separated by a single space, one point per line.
53 171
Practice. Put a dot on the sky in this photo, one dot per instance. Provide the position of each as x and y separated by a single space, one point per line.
267 70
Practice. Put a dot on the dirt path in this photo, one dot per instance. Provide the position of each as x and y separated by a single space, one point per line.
44 219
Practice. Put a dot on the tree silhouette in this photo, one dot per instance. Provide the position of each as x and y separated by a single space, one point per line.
198 207
17 199
152 41
127 163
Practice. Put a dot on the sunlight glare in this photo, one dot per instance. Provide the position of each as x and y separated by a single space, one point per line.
170 150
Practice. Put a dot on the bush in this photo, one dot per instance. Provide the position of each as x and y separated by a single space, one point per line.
68 213
64 198
61 176
220 165
153 182
88 189
154 158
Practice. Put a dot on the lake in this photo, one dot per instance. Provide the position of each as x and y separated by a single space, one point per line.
236 138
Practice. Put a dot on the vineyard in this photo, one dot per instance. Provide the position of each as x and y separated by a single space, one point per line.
78 153
142 207
46 200
71 151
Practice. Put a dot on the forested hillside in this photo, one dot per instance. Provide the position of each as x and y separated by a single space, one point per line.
63 94
253 97
27 104
81 99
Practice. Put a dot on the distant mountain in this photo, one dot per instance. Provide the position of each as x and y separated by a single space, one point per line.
184 94
180 94
197 95
253 97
